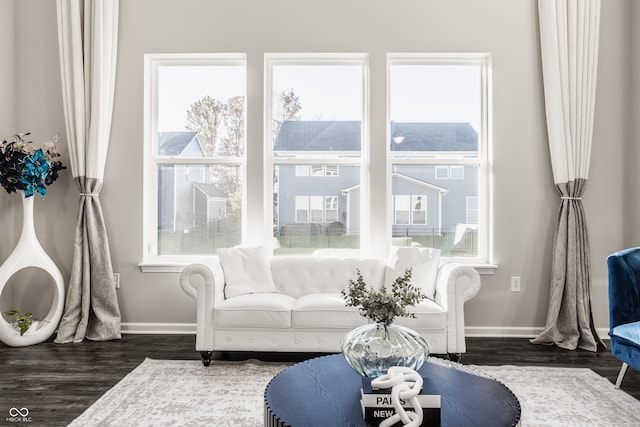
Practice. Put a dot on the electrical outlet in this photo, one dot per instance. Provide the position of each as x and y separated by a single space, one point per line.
116 279
516 284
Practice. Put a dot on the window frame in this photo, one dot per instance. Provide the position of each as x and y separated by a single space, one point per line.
270 161
453 168
151 260
316 170
328 171
440 168
406 199
301 206
316 205
303 170
331 204
423 200
376 212
483 256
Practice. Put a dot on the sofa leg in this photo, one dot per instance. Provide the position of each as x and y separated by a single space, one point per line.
623 370
206 357
455 357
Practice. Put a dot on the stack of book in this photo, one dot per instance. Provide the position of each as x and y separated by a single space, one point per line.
377 404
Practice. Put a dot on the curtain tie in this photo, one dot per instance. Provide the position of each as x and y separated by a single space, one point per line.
89 194
570 198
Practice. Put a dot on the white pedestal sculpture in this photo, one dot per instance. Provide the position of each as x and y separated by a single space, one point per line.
30 254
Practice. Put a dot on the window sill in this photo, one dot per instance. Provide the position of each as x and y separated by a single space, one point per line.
485 269
147 267
176 266
167 265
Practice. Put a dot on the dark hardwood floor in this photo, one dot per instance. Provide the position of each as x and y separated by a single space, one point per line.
57 382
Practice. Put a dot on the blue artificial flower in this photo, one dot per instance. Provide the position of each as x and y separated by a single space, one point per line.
35 169
31 188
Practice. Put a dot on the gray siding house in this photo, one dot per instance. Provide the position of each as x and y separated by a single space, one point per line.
209 204
186 199
426 199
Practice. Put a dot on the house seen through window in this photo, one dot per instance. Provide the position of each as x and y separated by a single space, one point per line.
437 124
195 153
316 153
316 110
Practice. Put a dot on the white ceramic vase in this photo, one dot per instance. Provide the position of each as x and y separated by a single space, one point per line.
28 253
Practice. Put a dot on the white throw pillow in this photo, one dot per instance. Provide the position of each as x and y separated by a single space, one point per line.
424 261
246 271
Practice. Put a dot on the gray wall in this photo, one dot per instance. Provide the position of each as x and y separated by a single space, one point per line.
7 71
7 104
525 202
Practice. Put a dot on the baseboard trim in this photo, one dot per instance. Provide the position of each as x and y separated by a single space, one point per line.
158 328
501 332
515 332
470 331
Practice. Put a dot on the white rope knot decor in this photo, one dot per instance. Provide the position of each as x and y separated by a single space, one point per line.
405 384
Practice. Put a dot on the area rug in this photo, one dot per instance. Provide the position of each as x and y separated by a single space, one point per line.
566 397
178 393
185 393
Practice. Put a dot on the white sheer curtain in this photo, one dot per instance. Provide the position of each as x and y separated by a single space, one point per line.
569 31
88 39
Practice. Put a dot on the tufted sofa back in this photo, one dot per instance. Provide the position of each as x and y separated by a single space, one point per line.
302 275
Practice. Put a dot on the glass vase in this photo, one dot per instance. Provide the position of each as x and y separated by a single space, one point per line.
373 348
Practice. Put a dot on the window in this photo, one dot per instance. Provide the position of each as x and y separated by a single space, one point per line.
302 208
316 170
302 170
326 172
315 109
331 170
331 208
437 149
457 172
449 172
442 172
194 153
419 213
401 204
410 209
317 207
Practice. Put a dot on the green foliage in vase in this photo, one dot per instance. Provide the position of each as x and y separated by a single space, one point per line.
23 321
381 306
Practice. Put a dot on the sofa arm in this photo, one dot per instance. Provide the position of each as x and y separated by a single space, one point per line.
205 283
455 284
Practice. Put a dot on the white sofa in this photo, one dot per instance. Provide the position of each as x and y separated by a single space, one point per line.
302 309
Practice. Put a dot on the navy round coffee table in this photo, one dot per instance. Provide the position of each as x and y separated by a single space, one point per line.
325 392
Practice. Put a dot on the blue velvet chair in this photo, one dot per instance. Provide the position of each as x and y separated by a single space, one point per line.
624 308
